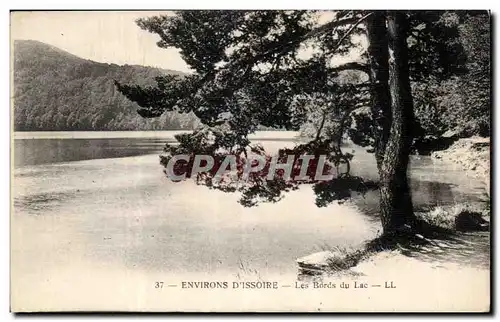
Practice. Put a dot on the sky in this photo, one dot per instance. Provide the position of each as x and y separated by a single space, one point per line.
106 36
103 36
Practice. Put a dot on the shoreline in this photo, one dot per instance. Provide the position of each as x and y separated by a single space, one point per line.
470 154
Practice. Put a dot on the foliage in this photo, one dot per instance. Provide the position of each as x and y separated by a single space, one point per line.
458 101
444 216
251 71
257 186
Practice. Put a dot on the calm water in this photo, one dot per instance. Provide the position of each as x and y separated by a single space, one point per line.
105 201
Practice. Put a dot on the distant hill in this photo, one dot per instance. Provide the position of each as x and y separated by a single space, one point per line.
57 91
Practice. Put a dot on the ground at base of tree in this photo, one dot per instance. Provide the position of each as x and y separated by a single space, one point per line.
401 276
442 273
437 285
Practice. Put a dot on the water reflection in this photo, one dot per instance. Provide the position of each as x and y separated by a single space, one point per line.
55 150
43 151
425 195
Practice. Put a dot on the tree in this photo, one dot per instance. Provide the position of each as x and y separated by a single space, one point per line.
455 98
396 204
470 113
249 72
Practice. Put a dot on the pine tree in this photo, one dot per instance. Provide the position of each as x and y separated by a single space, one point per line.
250 72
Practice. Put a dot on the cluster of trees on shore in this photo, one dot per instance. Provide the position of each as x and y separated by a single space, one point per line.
57 91
249 72
452 101
459 102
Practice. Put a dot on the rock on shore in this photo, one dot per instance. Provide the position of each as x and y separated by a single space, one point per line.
335 259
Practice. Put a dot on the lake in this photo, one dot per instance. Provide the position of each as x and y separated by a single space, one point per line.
100 200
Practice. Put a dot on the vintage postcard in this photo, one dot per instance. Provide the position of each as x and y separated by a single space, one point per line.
250 161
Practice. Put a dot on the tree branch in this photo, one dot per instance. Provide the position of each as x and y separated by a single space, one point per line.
344 119
315 32
351 66
320 129
350 30
280 49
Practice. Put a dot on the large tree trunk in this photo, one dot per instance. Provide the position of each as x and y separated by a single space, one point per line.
378 54
395 196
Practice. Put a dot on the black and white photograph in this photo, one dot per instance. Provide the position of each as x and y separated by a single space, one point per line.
250 161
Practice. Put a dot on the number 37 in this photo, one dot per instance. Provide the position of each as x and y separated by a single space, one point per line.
158 284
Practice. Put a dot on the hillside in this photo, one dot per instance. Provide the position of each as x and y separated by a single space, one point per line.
57 91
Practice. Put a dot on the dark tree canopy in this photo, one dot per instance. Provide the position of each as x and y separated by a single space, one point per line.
249 72
280 69
457 98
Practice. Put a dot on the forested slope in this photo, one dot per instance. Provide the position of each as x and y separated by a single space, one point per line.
57 91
